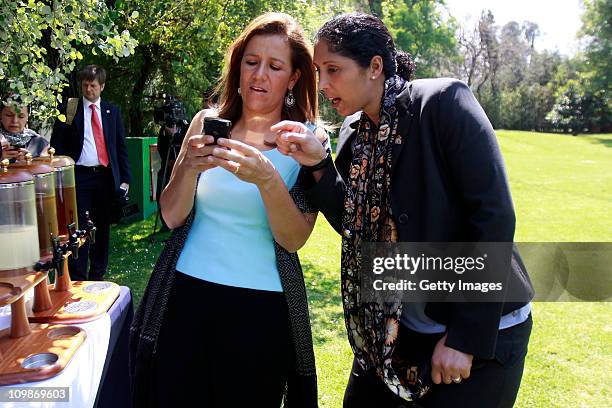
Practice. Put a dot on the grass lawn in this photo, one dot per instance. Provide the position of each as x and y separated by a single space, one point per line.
562 190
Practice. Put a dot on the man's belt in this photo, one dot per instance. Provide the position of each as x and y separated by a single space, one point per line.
91 169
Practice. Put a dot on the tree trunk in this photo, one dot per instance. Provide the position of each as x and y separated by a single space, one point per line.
376 7
136 114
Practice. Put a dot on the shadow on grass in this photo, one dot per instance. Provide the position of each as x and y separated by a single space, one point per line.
325 303
132 255
601 140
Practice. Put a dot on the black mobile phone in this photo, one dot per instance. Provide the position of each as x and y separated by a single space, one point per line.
17 146
217 127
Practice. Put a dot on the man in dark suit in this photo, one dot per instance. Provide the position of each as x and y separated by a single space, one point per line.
95 139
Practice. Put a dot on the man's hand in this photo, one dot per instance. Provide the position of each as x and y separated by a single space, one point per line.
125 186
170 131
449 365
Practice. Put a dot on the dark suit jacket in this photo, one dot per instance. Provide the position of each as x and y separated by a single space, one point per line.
68 140
449 184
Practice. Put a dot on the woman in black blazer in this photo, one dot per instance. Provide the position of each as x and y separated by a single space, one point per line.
423 159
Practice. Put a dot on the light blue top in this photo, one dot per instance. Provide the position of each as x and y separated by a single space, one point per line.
230 241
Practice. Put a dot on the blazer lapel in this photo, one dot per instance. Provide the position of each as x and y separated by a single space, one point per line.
406 121
79 120
347 134
106 114
77 140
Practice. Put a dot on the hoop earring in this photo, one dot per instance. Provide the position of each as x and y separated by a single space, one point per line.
290 99
239 91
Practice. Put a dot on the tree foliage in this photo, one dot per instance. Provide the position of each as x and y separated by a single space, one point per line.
181 46
420 28
43 41
584 103
515 84
155 47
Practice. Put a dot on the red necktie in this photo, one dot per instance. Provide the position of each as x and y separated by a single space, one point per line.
98 137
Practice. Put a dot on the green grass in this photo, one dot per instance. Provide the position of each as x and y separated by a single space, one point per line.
561 185
562 190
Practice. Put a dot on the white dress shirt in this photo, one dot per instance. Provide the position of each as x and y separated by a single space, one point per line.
89 154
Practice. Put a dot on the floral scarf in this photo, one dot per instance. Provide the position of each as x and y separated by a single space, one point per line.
373 327
18 139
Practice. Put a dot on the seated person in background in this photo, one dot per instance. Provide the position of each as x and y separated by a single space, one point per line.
17 140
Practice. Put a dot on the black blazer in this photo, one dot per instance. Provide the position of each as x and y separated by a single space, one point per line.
449 184
68 140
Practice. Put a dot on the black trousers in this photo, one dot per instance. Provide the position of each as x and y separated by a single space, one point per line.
492 384
222 346
95 191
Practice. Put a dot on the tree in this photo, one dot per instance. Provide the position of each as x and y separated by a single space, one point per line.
420 28
376 7
532 31
596 73
44 40
514 54
583 102
568 112
473 50
513 82
181 46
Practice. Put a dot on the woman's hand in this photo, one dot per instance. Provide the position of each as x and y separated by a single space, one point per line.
246 162
197 151
17 153
296 140
449 365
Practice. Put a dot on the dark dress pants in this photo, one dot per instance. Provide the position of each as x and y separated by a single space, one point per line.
95 193
492 384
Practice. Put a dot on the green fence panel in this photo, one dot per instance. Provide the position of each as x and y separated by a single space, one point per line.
143 162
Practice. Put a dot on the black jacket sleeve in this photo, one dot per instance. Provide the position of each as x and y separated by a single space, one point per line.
125 175
59 136
475 165
328 194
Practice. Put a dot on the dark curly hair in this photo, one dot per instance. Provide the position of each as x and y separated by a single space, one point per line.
360 37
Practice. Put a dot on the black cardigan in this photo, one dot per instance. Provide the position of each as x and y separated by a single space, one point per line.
448 184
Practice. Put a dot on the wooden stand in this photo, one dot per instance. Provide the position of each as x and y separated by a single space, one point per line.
31 352
41 354
42 299
76 302
14 283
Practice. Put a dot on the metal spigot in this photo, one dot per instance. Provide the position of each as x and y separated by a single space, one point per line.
90 229
89 233
73 240
57 262
58 255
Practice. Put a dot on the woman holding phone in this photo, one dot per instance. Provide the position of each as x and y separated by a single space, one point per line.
16 139
235 326
417 161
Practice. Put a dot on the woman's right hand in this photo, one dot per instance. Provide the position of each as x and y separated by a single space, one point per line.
9 152
195 157
296 140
